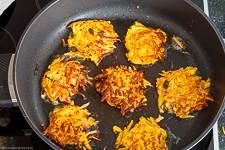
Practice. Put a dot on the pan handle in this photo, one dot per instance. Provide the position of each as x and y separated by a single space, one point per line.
8 99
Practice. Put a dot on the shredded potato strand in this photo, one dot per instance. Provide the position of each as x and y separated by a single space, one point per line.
93 39
184 93
123 88
144 45
145 135
178 43
71 125
223 130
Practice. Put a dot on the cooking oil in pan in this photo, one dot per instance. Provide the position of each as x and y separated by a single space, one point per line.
171 138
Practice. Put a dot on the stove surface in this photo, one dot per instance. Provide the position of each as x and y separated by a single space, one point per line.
15 133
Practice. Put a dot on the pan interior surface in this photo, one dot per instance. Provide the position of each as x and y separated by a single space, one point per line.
42 39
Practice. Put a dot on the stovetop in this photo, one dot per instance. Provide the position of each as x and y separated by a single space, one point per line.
15 133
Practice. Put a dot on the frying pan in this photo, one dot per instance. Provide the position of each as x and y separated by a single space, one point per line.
42 39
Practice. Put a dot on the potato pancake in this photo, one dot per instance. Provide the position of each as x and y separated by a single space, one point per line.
122 87
145 45
182 92
92 39
71 125
63 79
145 135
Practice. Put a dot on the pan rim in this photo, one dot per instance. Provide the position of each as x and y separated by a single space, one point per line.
200 137
22 109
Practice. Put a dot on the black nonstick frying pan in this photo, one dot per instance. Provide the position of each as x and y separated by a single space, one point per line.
204 47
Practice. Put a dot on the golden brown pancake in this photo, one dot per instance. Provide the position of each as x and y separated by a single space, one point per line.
122 87
145 45
63 80
145 135
92 39
182 92
71 125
